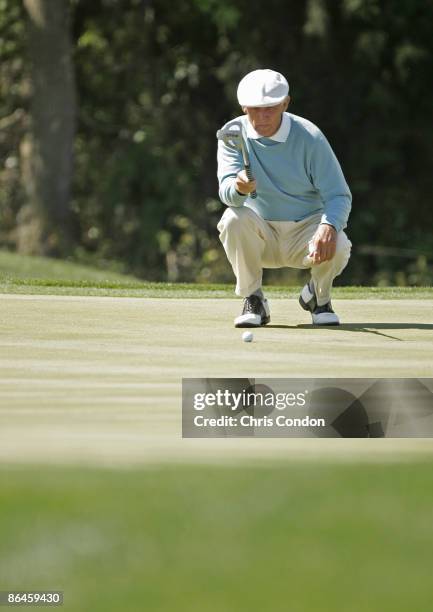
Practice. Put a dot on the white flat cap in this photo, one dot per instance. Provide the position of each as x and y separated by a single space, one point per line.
262 88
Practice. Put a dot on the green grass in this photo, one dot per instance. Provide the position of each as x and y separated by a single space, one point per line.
191 290
20 274
24 269
301 537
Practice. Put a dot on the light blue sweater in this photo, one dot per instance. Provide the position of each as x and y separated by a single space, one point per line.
296 178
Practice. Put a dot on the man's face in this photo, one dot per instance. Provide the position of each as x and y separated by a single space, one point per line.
266 119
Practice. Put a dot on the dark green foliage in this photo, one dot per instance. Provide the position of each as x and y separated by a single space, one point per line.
156 79
13 105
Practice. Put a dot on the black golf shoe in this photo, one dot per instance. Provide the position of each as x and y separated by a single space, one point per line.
255 312
321 315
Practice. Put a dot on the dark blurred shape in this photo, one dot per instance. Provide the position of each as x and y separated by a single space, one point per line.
46 221
343 412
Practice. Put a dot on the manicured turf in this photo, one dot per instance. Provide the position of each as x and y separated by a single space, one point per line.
98 380
325 537
201 525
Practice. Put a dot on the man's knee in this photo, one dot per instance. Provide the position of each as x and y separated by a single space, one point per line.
343 246
342 251
233 218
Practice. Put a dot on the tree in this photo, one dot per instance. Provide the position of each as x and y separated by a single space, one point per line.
47 152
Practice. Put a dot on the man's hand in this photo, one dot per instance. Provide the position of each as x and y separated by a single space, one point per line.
243 185
324 243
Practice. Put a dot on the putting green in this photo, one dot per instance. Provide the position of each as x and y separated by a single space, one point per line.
98 379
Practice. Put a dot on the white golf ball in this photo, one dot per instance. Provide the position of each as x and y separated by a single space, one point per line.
247 336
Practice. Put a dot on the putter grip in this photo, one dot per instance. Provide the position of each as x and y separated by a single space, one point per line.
250 176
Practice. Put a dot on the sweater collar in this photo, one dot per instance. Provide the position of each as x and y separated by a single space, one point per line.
280 135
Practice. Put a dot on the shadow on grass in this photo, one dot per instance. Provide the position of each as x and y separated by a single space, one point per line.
369 328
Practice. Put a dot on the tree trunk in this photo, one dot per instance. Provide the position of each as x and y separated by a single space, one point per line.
48 161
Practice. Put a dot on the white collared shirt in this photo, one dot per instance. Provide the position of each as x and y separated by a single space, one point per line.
280 135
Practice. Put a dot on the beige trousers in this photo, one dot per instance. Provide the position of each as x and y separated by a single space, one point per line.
251 244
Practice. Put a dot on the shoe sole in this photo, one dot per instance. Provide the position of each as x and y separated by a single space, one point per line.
326 323
265 321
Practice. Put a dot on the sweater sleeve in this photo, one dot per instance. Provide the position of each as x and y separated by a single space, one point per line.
327 177
229 164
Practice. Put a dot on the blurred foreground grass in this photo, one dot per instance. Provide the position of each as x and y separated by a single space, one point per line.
301 537
21 274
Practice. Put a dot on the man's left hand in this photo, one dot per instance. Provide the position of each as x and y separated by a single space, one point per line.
324 243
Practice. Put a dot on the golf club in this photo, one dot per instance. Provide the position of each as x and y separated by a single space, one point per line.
232 136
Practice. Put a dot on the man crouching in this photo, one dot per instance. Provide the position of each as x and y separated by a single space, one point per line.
301 208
